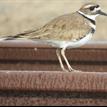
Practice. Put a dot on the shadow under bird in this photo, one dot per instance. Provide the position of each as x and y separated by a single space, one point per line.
67 31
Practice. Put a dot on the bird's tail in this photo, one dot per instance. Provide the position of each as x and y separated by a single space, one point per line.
4 38
17 36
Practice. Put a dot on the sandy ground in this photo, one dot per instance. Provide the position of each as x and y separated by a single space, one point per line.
20 15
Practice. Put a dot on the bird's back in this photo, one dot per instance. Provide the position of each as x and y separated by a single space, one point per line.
69 27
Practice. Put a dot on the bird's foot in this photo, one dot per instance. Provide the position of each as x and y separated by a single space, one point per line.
70 70
73 70
65 70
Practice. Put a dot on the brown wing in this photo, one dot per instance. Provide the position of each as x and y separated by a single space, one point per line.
66 27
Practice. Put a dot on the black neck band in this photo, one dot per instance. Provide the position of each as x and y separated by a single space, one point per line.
92 30
92 21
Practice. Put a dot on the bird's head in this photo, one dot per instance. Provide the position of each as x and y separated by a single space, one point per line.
92 10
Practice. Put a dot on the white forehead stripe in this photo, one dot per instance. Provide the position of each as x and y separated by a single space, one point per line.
99 8
87 6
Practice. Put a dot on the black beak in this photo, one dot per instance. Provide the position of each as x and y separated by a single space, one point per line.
102 13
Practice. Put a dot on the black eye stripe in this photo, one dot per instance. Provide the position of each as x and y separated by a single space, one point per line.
92 8
97 6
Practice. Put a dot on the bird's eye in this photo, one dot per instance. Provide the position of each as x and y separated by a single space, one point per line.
97 6
92 8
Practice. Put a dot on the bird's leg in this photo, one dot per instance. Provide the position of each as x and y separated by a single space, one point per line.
58 53
68 65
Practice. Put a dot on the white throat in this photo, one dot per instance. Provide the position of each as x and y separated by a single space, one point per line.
93 17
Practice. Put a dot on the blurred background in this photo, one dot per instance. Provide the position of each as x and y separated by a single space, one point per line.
17 16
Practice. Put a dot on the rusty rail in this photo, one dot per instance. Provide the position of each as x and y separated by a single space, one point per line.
53 81
29 77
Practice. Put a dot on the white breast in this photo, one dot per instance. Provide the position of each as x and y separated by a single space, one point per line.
80 42
69 44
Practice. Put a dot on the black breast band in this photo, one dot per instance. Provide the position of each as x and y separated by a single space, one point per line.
92 21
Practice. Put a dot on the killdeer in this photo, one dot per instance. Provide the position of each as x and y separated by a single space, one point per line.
66 31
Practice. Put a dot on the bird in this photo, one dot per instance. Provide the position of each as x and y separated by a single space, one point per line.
68 31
